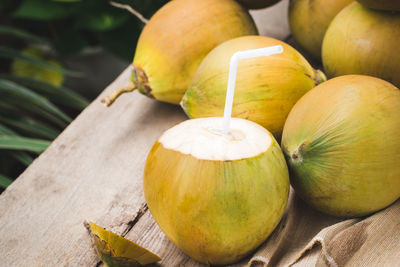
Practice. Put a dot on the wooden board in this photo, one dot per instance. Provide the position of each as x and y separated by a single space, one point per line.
93 171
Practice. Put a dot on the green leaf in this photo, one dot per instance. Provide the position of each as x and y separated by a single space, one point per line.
5 181
20 92
14 54
6 131
30 127
67 1
7 6
56 94
23 143
15 106
21 34
22 157
42 10
103 20
44 114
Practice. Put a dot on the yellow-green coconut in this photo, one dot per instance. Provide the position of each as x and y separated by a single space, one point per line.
174 42
309 19
363 41
216 196
266 87
342 145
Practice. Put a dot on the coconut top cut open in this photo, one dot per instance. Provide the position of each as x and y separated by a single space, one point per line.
203 138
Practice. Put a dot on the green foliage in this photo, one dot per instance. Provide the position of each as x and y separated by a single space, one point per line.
4 181
14 54
73 25
29 126
12 90
20 34
43 10
23 143
56 94
29 120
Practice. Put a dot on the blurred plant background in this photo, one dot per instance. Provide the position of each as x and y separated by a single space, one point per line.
51 51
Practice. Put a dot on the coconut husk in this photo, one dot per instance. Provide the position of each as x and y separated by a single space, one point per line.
306 237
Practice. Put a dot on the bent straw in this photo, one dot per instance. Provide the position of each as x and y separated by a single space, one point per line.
233 64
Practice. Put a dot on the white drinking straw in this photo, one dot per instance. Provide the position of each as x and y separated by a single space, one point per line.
233 64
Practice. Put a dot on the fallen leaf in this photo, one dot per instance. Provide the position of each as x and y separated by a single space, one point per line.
117 251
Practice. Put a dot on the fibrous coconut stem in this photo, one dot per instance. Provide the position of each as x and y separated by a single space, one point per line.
108 100
320 77
131 10
297 154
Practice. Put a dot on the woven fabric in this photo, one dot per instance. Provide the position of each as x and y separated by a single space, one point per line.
306 237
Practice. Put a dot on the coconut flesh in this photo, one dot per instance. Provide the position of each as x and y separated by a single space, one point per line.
216 196
204 140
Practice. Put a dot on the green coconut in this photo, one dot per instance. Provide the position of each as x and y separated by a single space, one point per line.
342 145
309 19
174 42
216 196
266 87
257 4
389 5
363 41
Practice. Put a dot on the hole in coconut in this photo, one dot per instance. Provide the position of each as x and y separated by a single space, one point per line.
233 134
205 139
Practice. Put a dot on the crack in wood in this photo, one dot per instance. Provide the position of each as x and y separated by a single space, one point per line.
143 209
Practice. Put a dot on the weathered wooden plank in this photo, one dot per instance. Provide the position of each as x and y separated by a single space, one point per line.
147 233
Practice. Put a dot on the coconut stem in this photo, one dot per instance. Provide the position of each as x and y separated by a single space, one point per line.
131 10
320 77
108 100
297 154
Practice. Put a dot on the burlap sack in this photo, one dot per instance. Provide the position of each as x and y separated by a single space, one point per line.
306 237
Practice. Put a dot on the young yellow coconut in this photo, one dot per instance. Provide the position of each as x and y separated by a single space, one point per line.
216 197
342 145
363 41
309 20
266 87
176 39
